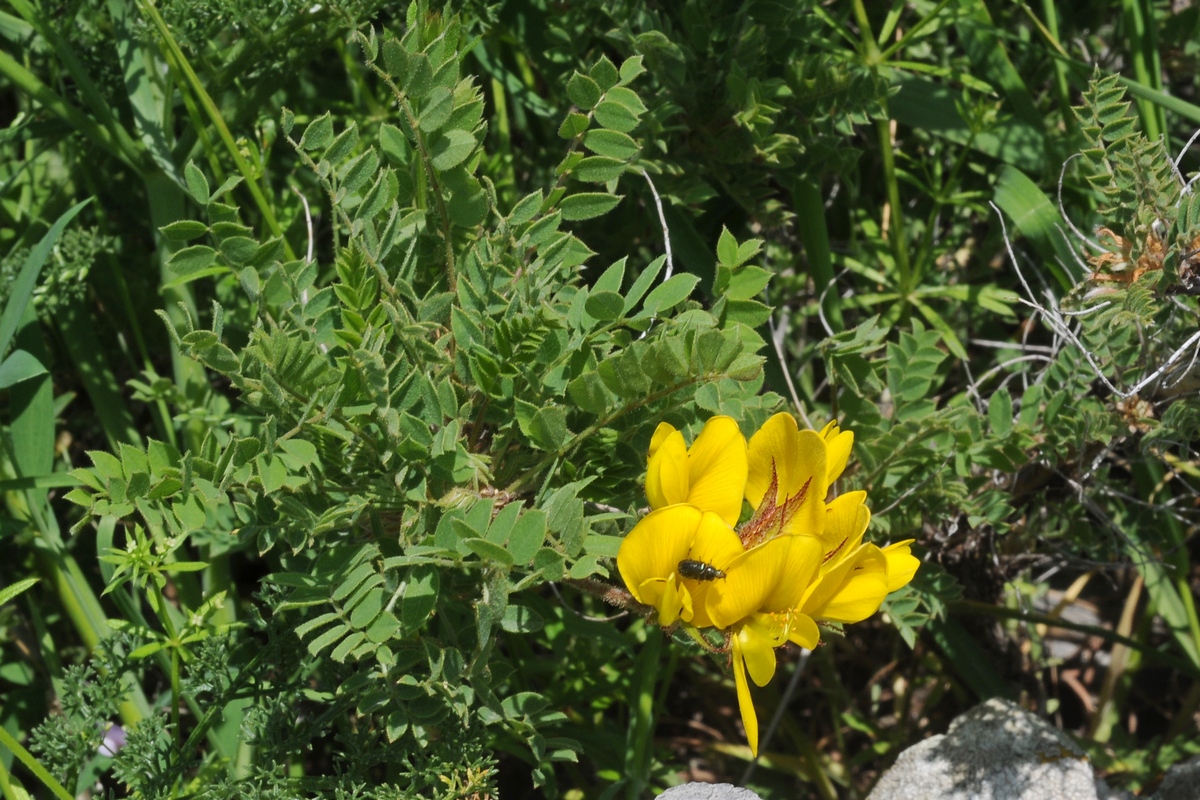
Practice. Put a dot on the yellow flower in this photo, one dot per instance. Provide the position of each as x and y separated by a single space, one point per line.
901 564
796 463
797 561
854 578
710 475
837 450
757 603
649 557
752 645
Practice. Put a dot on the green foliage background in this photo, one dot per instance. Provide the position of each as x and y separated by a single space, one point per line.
333 338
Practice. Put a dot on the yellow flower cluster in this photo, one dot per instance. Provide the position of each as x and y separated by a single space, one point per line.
796 561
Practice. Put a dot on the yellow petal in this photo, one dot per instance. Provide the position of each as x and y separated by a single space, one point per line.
802 562
661 434
768 444
749 580
667 469
837 444
655 546
717 468
901 564
758 639
860 591
717 545
676 603
809 517
745 702
798 461
846 520
803 631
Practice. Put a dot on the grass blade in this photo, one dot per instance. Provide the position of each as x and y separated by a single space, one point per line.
641 720
180 63
31 85
9 592
22 288
101 384
814 235
973 665
1038 220
33 765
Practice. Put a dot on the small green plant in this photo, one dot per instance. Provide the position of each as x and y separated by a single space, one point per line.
345 523
431 421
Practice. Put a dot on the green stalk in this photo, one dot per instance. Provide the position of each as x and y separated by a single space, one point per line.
814 235
88 89
1147 66
28 83
179 63
896 238
910 34
641 722
6 786
32 764
176 729
162 414
1173 569
1061 84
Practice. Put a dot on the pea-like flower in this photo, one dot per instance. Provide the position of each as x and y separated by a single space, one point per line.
650 556
797 561
711 474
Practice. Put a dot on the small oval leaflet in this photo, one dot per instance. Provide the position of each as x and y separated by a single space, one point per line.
699 571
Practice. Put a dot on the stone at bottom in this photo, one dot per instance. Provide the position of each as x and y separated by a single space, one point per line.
708 791
996 751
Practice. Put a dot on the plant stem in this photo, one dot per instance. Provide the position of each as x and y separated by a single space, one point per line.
896 236
27 82
33 765
176 729
641 723
180 63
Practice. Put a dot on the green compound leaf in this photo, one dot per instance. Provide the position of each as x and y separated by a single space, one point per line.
573 125
1000 412
184 230
468 204
588 205
631 68
612 144
420 596
599 169
548 428
670 293
604 72
589 393
527 536
605 306
318 135
583 91
191 260
451 149
615 116
439 106
197 184
489 551
519 619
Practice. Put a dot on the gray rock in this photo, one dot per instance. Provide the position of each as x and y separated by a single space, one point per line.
708 791
1182 782
996 751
